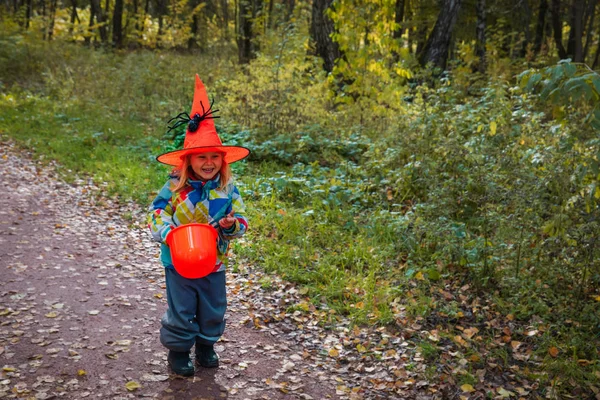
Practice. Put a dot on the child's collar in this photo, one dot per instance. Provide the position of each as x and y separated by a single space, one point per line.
199 183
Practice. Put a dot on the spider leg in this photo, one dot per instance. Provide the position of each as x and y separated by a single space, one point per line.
178 116
177 124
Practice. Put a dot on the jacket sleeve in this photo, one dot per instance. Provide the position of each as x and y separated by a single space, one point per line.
160 214
241 224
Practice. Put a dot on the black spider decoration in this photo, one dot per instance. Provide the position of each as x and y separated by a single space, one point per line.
194 122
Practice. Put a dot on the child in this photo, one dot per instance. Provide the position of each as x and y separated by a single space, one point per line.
200 190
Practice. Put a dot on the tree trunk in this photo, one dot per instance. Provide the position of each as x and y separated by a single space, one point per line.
269 24
575 43
134 15
45 19
97 12
52 17
91 23
161 9
590 17
438 43
74 16
106 16
421 35
117 34
143 22
539 27
398 19
596 56
321 29
225 7
557 28
526 24
245 34
28 13
480 34
290 5
194 29
398 28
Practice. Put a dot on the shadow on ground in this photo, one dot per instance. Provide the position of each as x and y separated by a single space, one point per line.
200 386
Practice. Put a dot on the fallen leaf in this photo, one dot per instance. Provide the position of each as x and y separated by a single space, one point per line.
155 378
132 385
467 388
553 351
505 393
461 341
470 332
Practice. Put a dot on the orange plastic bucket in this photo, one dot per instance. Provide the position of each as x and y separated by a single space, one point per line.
193 249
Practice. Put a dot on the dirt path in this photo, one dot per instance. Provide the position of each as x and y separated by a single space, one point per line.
81 296
82 293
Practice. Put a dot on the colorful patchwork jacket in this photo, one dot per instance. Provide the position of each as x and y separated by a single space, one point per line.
198 202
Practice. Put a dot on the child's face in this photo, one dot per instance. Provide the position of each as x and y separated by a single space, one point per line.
206 165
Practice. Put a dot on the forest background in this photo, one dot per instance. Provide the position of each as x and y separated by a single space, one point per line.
427 167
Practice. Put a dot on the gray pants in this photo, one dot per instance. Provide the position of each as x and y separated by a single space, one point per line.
196 310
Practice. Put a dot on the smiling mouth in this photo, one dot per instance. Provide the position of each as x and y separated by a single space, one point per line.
208 170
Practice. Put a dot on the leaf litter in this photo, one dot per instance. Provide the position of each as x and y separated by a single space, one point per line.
81 304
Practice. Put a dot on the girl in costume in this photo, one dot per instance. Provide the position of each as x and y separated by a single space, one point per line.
200 190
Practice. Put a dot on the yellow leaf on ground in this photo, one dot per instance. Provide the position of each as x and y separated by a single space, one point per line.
553 351
461 341
470 332
132 385
419 276
505 393
334 353
467 388
81 372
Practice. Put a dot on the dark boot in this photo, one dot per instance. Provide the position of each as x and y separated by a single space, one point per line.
180 363
206 356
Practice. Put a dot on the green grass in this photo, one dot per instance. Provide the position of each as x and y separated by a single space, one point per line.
86 142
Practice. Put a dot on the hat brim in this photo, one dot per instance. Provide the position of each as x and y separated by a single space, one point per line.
232 154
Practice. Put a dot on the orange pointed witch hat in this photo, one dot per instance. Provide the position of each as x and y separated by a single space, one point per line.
201 134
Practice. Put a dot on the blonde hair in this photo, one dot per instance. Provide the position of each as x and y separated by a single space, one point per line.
185 171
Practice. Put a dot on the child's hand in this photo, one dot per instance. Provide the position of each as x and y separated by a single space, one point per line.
227 221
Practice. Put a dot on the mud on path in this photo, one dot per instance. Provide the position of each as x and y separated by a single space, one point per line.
82 293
